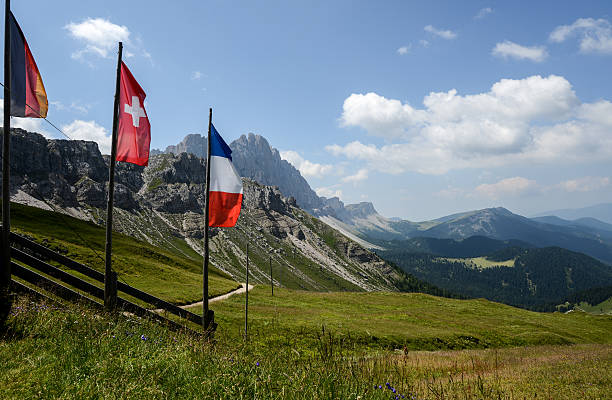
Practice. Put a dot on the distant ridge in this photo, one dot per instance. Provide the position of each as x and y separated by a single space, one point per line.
602 212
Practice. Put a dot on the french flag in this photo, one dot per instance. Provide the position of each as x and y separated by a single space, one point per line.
225 189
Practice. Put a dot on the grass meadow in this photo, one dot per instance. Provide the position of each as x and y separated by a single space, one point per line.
75 353
300 345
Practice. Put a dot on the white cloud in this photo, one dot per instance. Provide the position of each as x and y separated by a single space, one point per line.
306 168
361 175
404 50
424 43
444 34
74 106
89 130
595 35
483 13
536 119
99 35
586 184
196 76
28 124
508 49
507 187
329 192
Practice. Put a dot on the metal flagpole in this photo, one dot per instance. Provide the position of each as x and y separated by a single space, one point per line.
5 274
110 278
206 313
246 304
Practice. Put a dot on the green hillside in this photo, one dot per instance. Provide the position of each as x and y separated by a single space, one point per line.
537 278
173 273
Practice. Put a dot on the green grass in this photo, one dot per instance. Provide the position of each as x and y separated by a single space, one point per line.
383 320
74 353
164 272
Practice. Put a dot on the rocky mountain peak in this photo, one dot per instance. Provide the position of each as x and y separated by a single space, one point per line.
361 210
255 159
194 143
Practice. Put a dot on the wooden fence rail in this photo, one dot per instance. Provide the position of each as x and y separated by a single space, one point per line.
32 254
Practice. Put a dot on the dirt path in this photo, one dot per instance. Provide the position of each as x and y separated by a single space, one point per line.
213 299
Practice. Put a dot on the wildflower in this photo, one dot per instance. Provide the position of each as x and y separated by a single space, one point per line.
143 337
380 387
257 363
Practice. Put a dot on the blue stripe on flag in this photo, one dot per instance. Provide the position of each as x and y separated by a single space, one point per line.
218 147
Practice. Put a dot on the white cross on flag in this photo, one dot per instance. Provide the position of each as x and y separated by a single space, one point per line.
134 132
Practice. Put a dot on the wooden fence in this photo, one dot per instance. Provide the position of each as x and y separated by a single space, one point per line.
70 287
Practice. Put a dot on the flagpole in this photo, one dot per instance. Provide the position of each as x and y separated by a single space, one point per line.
110 279
206 318
5 274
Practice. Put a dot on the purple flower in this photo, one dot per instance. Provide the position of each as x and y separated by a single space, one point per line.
257 363
143 337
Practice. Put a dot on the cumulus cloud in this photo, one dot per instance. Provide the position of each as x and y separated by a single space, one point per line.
89 130
329 192
444 34
404 50
306 168
586 184
536 119
100 37
361 175
595 35
483 12
28 124
508 49
509 187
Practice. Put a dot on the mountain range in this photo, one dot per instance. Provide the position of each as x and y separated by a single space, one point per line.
321 243
257 160
601 212
163 204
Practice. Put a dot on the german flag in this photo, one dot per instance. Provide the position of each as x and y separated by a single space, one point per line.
28 95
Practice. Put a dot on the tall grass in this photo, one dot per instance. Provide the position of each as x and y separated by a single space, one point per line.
72 352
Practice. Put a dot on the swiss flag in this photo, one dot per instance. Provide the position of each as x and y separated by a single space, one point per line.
134 132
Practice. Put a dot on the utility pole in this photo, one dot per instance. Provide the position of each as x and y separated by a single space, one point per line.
246 304
271 280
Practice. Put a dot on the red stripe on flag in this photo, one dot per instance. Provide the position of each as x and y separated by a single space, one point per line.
224 209
36 96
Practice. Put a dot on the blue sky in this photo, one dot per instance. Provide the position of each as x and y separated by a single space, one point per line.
423 108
